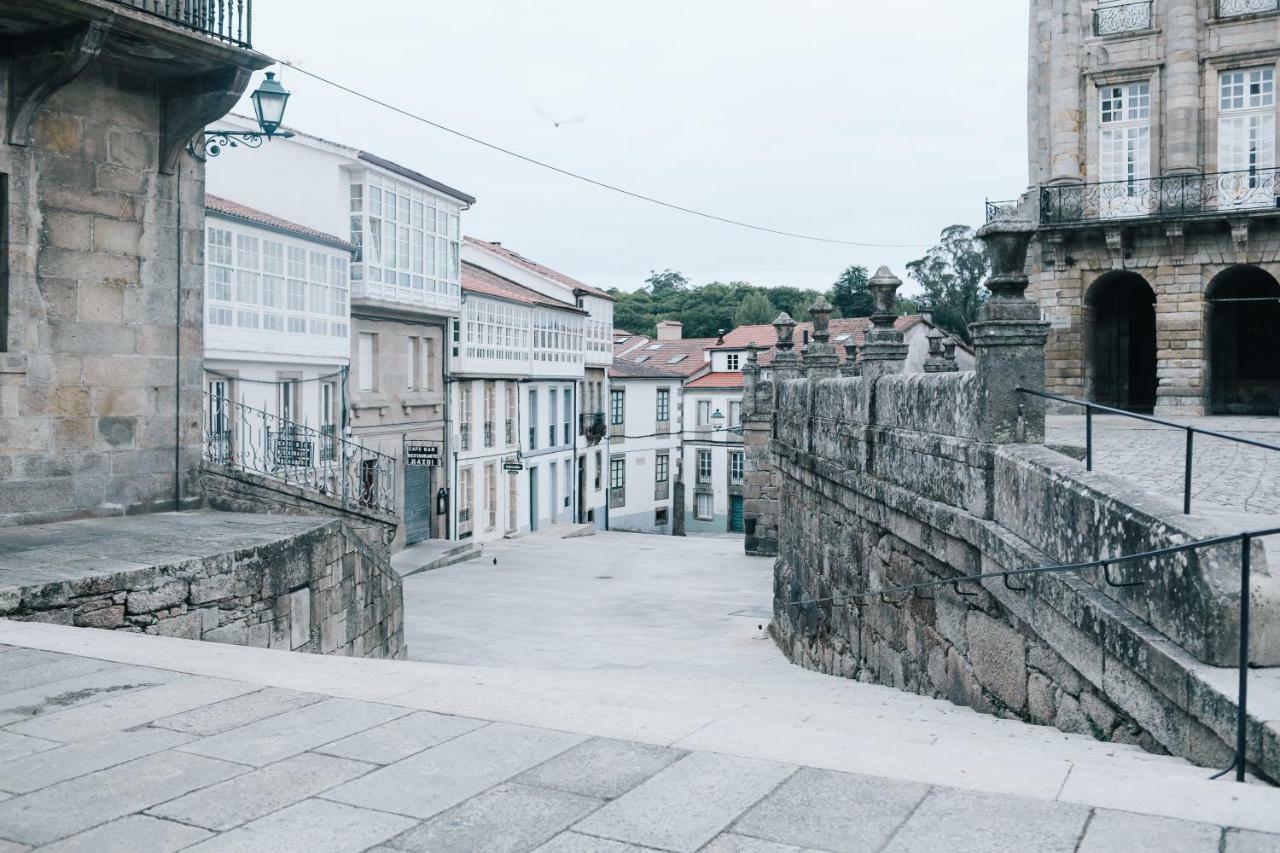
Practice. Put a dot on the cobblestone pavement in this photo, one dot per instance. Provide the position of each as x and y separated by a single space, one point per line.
113 741
1225 474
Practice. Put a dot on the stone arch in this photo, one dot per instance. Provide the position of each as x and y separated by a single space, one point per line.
1120 341
1242 342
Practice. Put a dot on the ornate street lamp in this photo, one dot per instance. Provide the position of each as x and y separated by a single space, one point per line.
717 420
269 102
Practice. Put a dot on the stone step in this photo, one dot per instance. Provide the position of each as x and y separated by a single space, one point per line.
434 554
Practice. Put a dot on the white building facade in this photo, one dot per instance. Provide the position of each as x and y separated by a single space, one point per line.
563 448
714 457
405 294
644 415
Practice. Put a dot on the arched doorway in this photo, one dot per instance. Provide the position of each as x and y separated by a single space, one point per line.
1243 342
1120 341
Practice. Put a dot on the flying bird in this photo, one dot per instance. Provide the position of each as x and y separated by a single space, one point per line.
558 121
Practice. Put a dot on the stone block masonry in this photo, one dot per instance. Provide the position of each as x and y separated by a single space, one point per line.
293 583
889 480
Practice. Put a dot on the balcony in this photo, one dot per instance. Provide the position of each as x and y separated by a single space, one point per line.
1240 8
488 433
230 21
464 436
1122 18
591 425
1169 197
510 431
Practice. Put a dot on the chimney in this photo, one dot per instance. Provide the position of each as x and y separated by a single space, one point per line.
670 330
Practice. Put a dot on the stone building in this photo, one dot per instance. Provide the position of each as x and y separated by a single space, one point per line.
101 281
1152 137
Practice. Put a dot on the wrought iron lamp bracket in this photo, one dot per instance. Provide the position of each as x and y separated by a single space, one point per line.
215 141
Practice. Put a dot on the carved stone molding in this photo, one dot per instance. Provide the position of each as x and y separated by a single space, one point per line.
1115 246
43 64
1240 236
1173 232
190 104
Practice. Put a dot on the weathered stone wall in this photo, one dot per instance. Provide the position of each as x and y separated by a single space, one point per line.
100 370
235 490
884 483
322 590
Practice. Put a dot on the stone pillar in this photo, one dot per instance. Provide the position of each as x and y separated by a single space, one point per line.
1066 115
677 498
883 349
821 361
1181 97
760 486
786 364
937 360
1009 339
851 354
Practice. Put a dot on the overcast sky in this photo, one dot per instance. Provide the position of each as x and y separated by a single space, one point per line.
867 120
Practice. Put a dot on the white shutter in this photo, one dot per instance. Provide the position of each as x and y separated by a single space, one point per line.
365 358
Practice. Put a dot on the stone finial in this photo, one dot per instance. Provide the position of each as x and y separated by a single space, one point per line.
820 312
786 328
1006 241
850 366
884 289
753 354
949 350
936 362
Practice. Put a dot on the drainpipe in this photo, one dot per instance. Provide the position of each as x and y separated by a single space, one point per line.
573 487
177 349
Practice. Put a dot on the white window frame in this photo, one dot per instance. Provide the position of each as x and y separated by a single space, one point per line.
699 513
1124 149
367 361
1247 137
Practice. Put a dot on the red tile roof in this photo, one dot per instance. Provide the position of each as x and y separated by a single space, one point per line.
244 213
533 266
622 369
764 335
726 381
476 279
691 353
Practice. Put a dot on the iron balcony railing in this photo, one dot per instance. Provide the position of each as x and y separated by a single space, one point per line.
1002 209
226 20
488 433
1236 8
1118 18
1170 196
591 425
510 431
464 436
250 439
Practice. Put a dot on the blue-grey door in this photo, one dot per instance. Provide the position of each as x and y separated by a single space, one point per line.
533 499
735 514
417 503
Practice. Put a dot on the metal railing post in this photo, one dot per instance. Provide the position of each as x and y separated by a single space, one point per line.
1186 479
1088 438
1242 697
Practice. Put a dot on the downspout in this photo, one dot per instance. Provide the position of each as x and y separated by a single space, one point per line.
446 379
177 349
573 489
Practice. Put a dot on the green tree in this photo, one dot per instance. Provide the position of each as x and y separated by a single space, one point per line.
666 283
851 295
951 274
755 308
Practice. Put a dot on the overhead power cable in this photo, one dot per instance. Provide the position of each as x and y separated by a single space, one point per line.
594 182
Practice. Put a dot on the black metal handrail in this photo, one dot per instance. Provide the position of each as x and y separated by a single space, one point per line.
1239 762
1002 209
1191 433
1118 18
1237 8
1204 194
226 20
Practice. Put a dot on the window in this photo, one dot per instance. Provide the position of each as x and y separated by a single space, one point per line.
735 413
511 413
676 359
731 361
1246 136
618 472
704 466
428 364
464 416
662 468
617 406
599 469
288 399
551 418
704 413
406 241
490 411
568 483
1124 147
737 463
703 508
495 330
465 497
366 352
328 421
568 413
664 404
660 517
491 494
413 363
533 418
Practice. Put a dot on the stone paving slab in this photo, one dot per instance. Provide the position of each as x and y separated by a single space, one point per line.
443 783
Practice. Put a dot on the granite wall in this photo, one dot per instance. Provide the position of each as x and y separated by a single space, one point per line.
889 481
316 588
